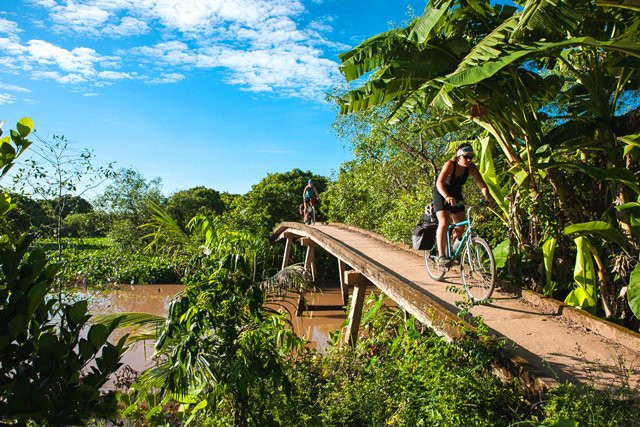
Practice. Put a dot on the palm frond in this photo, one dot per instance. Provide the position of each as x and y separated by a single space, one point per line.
623 4
374 53
146 326
558 16
421 29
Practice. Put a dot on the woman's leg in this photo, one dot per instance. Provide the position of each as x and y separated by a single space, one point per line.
458 231
441 233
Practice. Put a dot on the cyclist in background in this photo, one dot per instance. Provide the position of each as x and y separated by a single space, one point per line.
447 194
309 195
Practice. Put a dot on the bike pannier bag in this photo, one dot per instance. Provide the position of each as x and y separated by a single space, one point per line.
424 236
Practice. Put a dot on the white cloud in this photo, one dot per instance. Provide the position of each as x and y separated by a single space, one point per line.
167 78
13 88
6 98
71 78
128 26
91 94
260 45
81 18
114 75
9 27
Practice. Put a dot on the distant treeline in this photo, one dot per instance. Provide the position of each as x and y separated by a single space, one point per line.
125 206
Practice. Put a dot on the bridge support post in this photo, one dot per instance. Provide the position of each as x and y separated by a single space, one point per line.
342 267
309 266
287 251
310 257
359 283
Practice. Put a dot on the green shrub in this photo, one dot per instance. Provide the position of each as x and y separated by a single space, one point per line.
95 262
91 224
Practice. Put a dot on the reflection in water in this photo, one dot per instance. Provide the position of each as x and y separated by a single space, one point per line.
155 299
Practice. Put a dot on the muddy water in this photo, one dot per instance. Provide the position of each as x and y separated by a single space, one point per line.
315 326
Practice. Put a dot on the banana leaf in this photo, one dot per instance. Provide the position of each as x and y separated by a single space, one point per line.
425 24
548 250
500 253
599 229
546 15
621 175
487 170
633 291
584 275
622 4
632 207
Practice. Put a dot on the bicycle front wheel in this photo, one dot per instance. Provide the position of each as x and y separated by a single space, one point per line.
435 270
478 269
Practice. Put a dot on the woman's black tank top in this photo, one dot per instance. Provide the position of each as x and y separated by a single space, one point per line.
453 184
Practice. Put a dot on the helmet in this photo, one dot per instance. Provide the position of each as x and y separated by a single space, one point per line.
310 181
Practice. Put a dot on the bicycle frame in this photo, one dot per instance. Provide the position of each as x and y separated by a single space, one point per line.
463 240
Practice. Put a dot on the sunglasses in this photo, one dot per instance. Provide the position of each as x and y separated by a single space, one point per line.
469 157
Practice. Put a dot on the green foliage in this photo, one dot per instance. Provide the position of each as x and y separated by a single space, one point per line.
30 213
184 205
500 253
634 290
274 199
584 294
129 194
82 225
98 262
548 250
51 373
43 356
399 374
586 407
219 346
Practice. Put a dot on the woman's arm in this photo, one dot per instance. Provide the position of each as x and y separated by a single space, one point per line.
315 190
447 169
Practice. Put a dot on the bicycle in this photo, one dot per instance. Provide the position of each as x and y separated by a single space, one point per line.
477 265
310 219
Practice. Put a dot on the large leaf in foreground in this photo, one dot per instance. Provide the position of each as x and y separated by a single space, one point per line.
600 229
584 275
633 292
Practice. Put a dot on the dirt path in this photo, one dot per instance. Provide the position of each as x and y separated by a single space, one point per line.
558 348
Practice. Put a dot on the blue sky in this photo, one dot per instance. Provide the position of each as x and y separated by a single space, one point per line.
198 92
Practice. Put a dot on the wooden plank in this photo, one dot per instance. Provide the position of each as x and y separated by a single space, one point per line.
355 314
308 242
287 253
342 267
354 278
310 262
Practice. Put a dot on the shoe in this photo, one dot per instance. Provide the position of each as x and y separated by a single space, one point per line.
442 260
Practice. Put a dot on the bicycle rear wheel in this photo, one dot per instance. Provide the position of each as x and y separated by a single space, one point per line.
435 270
478 269
311 215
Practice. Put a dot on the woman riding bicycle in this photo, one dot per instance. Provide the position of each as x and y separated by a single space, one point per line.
309 195
447 194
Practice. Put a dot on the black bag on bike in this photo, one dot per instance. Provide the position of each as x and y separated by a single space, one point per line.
424 235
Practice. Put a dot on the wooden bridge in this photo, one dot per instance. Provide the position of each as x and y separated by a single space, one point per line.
547 341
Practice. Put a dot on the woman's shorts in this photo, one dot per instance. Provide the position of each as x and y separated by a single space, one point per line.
440 205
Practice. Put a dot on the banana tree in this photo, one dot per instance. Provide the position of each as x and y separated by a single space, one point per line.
511 75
